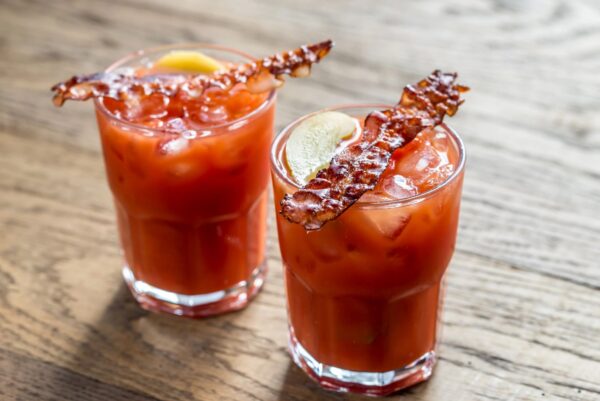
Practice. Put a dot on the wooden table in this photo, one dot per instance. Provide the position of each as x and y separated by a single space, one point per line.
522 315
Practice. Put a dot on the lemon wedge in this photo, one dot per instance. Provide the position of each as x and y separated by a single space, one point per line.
313 142
189 61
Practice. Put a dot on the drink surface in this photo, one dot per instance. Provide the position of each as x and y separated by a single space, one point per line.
364 290
188 114
189 179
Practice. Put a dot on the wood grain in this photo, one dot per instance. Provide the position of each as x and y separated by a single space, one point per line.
522 315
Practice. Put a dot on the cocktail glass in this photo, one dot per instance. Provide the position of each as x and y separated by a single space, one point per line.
191 204
365 292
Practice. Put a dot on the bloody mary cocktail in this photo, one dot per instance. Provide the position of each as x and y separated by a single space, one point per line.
189 178
364 292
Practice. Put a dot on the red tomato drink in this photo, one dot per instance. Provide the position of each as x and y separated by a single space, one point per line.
364 292
189 180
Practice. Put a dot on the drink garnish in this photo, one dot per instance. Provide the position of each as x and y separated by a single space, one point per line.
313 142
189 61
258 76
357 168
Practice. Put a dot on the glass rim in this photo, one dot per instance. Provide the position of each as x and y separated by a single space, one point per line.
157 49
276 148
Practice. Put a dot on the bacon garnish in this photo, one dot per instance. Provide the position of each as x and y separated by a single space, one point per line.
259 76
357 169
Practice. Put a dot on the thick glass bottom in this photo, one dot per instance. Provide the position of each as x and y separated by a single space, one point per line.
367 383
198 305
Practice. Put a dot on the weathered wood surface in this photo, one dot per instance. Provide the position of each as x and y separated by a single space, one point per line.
522 316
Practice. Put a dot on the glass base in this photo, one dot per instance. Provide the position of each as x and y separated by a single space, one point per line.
367 383
200 305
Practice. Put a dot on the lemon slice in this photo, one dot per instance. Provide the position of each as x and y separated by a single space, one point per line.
190 61
313 142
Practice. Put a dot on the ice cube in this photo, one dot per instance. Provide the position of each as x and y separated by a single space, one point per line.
176 125
438 175
419 164
188 161
174 145
215 114
232 156
440 142
389 223
398 187
206 114
144 108
326 245
368 225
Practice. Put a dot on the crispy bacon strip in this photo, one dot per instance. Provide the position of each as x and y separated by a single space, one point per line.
357 169
259 76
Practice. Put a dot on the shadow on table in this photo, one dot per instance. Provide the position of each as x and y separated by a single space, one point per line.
135 355
299 387
130 348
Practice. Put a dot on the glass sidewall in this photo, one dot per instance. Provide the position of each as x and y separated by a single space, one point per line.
352 291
